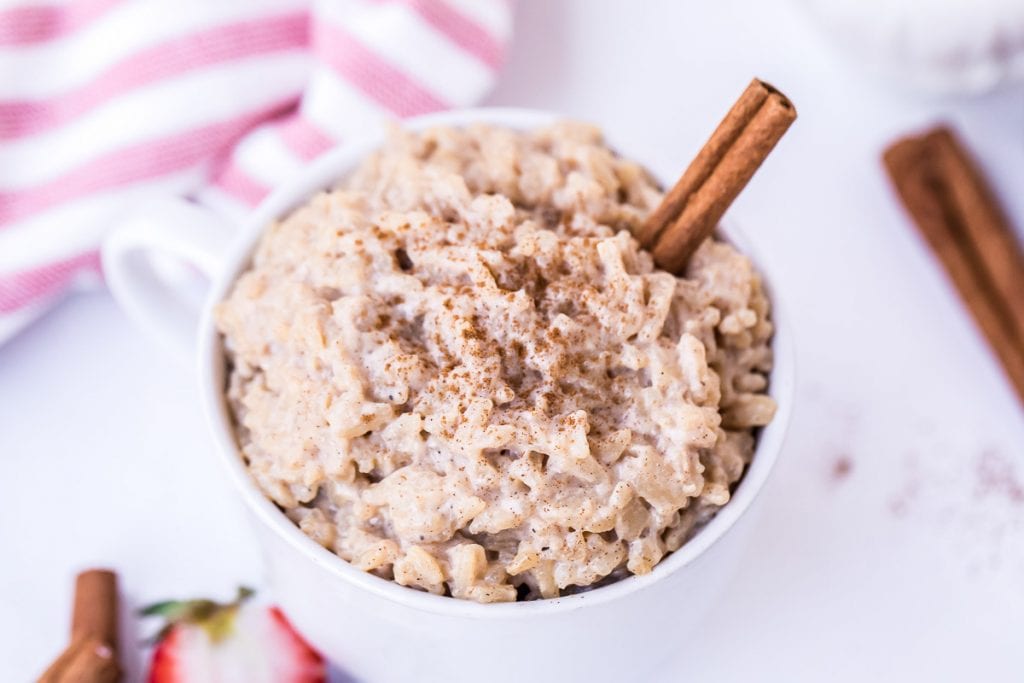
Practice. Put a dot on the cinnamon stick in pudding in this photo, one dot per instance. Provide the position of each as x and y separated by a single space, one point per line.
691 210
956 212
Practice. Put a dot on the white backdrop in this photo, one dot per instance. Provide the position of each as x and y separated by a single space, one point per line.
891 545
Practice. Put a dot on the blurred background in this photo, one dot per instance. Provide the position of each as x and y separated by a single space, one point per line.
892 544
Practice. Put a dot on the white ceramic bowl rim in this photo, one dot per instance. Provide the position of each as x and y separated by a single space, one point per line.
324 173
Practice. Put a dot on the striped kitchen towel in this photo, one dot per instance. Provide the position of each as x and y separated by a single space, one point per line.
106 102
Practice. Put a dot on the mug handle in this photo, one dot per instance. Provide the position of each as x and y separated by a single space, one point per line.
147 285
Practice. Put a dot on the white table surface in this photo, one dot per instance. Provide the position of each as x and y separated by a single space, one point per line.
908 567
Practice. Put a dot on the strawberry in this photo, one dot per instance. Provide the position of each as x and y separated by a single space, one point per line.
238 642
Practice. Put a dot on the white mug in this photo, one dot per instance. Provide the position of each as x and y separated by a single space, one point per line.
376 629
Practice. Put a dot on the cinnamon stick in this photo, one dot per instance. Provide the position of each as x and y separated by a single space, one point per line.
984 221
691 210
86 660
92 655
957 214
95 610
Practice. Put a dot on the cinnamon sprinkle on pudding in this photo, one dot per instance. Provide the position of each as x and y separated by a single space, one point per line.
459 371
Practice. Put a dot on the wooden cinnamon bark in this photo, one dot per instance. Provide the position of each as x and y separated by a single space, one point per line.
960 219
91 657
95 610
86 660
693 207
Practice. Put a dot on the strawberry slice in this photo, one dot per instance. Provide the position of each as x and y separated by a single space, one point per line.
238 642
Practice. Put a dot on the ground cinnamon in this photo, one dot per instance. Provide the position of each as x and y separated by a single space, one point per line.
960 219
691 210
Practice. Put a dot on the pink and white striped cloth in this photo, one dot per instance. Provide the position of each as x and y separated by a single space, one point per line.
107 102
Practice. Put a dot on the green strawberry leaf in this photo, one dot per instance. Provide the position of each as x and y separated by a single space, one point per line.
160 609
217 619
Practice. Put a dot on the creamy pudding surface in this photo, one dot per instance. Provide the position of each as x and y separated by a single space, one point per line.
459 371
